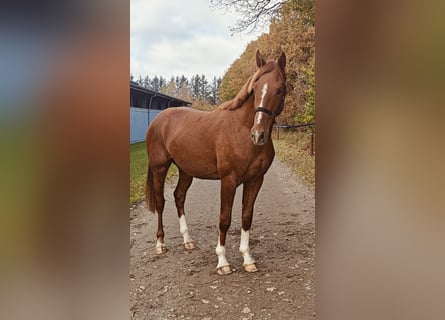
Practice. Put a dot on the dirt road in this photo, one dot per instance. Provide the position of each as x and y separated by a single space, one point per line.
184 285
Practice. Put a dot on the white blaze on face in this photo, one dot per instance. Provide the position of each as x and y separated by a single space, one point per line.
263 94
184 229
244 248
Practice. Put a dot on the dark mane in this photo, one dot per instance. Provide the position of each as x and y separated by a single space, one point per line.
247 88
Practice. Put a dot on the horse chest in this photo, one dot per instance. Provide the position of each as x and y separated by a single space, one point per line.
258 166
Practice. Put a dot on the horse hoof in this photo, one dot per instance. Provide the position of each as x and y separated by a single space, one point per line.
189 245
161 250
250 268
222 271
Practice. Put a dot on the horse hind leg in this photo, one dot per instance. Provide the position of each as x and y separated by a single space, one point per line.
159 175
183 185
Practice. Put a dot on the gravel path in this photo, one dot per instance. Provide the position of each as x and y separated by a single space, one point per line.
184 285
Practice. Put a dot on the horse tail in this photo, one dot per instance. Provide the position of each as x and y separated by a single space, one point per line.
150 192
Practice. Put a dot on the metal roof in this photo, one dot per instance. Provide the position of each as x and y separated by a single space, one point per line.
136 86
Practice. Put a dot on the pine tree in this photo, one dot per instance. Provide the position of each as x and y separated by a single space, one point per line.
155 86
204 92
214 91
195 87
146 83
140 81
162 83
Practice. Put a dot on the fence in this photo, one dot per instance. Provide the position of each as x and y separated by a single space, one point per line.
300 127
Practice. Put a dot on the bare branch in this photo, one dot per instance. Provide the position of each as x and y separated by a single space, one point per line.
253 13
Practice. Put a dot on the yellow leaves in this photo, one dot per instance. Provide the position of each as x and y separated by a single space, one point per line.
290 33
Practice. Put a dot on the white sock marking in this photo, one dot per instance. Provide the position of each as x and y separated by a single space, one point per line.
159 244
244 247
221 253
184 229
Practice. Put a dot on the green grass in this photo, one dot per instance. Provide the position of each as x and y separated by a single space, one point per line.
138 171
293 148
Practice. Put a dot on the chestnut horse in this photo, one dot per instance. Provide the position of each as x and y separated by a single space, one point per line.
231 143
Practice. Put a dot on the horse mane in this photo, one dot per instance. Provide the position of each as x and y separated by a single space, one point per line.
247 88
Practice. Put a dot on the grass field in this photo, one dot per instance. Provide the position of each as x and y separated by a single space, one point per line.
138 171
293 149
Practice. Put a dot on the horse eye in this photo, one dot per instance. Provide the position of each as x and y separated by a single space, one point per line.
279 91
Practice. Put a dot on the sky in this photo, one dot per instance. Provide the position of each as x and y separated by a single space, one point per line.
177 37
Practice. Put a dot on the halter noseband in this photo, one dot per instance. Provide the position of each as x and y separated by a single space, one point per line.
261 109
271 113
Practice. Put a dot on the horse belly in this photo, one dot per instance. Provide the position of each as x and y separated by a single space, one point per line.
196 162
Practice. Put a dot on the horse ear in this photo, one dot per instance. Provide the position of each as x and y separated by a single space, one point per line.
259 59
282 60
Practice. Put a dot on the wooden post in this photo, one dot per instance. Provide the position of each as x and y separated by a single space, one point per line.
312 143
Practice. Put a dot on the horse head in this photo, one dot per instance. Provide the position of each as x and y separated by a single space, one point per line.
269 89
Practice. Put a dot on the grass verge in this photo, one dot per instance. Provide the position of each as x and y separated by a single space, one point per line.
293 148
138 171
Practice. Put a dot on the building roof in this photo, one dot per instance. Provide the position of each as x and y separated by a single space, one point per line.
174 100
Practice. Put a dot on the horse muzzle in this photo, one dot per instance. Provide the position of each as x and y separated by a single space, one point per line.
258 137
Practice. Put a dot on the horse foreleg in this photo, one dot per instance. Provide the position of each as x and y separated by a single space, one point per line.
250 192
228 188
184 183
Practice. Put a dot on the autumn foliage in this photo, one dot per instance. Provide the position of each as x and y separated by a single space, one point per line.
292 32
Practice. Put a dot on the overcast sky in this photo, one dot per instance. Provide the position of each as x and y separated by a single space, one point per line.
175 37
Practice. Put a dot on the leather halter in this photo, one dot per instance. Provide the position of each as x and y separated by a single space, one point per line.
271 113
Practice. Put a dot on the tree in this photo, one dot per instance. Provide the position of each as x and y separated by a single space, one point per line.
258 13
305 9
177 84
140 81
253 13
214 91
184 92
170 88
146 83
289 33
204 90
162 82
197 89
154 84
194 86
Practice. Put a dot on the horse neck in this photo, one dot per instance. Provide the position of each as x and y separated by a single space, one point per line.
246 112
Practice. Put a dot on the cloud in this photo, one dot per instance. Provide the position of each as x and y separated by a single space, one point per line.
177 37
